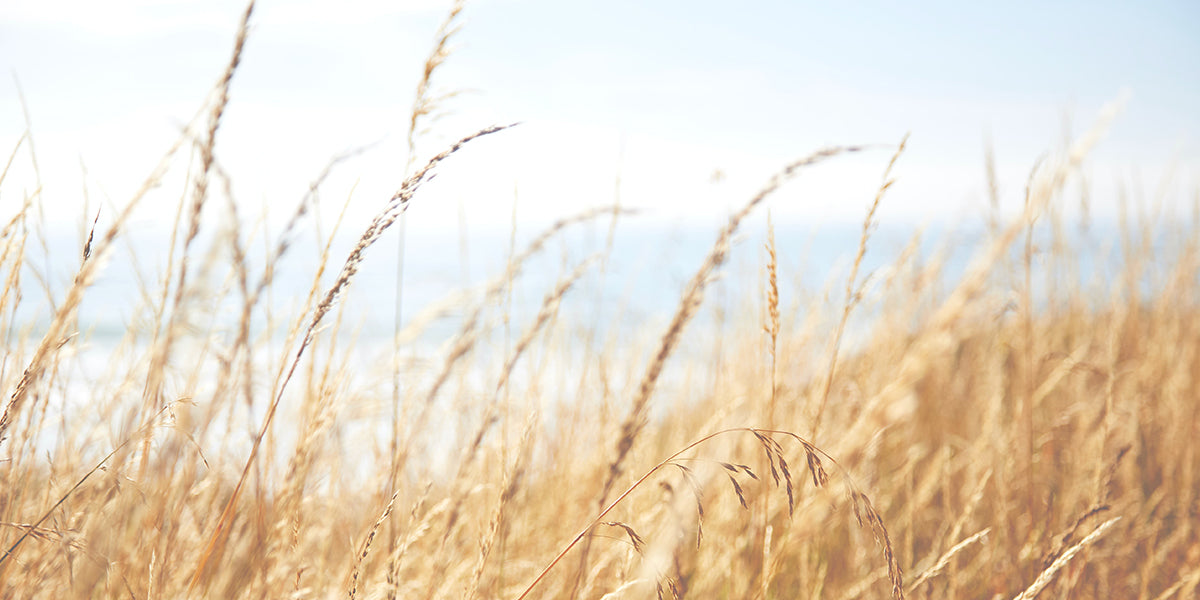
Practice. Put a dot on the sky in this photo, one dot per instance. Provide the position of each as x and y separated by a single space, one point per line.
683 109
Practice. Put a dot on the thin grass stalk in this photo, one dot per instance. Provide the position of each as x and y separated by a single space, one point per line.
1027 338
772 324
152 393
771 327
423 105
945 559
854 293
11 157
1046 576
366 546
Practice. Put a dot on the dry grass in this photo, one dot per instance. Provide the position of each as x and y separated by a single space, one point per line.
1053 418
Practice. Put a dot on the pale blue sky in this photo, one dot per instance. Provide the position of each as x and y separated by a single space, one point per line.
663 93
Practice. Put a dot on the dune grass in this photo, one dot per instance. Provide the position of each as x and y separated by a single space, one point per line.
1020 429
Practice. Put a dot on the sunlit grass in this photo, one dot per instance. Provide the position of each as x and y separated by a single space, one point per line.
1020 426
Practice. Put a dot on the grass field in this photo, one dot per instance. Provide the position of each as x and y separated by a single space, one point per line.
1025 428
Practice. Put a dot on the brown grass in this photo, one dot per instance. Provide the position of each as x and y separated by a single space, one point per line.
995 435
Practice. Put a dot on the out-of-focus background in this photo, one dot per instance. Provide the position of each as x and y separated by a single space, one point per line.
689 106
